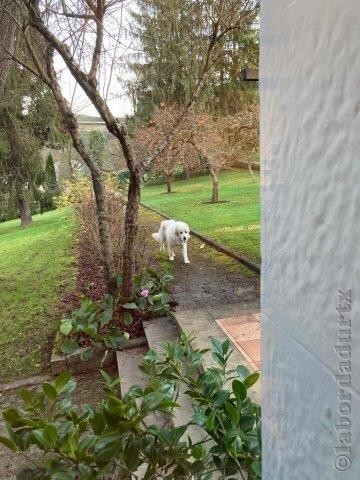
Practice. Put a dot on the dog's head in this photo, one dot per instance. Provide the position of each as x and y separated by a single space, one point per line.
182 231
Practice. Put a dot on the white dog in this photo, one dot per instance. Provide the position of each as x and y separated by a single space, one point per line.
173 233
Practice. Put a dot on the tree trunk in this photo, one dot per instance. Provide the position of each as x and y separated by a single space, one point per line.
7 29
251 172
24 205
187 173
19 181
70 121
215 185
107 256
131 216
168 183
90 88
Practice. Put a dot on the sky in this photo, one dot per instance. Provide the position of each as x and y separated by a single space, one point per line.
121 44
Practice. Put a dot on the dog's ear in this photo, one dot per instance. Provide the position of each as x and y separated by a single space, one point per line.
176 230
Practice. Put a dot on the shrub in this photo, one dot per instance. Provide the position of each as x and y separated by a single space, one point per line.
78 194
91 324
118 437
151 294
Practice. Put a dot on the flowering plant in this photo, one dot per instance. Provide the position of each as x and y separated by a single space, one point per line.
151 294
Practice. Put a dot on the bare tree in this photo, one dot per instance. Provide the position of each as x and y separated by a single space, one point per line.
178 153
241 132
208 141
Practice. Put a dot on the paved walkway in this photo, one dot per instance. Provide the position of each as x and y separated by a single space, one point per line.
240 322
244 332
211 279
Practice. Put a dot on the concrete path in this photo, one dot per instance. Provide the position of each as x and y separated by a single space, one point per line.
237 322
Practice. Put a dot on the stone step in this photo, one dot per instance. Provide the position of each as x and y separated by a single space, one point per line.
157 332
201 326
129 373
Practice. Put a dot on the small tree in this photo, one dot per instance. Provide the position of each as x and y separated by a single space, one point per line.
50 185
50 182
242 131
97 146
26 127
179 152
209 143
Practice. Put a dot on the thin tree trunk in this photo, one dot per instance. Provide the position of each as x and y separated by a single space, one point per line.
215 184
168 183
131 216
24 205
18 179
251 171
88 84
68 157
70 121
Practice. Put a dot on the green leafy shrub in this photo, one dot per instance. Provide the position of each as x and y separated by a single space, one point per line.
151 294
220 400
91 324
116 438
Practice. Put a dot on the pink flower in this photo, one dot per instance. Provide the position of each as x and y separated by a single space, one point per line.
145 293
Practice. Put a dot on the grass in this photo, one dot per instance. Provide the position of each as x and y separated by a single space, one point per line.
235 223
36 270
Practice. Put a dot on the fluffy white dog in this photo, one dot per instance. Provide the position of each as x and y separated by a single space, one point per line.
173 233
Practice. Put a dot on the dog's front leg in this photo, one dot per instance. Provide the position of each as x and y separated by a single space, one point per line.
171 253
184 253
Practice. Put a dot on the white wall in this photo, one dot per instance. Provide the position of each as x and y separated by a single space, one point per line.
310 120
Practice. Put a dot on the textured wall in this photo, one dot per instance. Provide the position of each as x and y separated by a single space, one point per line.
310 149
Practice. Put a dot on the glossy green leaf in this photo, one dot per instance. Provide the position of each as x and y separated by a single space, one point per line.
130 306
87 354
8 443
251 379
232 413
50 391
66 326
69 346
128 320
239 390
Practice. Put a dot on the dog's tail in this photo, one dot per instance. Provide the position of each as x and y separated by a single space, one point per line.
156 236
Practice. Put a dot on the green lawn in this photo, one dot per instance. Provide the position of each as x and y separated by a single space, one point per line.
36 269
234 223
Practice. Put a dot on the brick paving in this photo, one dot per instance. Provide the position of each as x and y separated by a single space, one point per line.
244 332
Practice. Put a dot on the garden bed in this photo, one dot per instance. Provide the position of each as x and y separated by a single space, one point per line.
102 357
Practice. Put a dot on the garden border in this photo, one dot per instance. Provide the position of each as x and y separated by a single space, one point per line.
255 267
62 363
